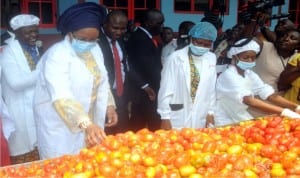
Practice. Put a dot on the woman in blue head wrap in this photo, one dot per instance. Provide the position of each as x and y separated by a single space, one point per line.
72 94
186 96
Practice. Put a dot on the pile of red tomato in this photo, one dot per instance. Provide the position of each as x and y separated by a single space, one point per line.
266 147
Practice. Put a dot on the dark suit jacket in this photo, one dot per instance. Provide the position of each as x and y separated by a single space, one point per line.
109 63
145 60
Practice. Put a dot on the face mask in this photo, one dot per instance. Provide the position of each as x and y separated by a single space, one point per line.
82 46
198 50
245 65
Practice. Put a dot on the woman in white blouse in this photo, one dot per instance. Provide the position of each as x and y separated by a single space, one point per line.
238 87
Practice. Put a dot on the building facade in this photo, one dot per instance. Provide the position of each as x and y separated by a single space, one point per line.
175 11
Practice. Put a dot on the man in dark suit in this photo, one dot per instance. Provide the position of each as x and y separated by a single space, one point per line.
144 56
116 65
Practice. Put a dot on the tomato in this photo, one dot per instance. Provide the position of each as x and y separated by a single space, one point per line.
250 173
181 160
149 161
187 133
126 172
235 149
254 148
195 175
288 158
243 162
278 172
209 146
274 122
187 170
107 170
269 151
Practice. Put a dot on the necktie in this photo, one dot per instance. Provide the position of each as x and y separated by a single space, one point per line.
119 81
154 42
195 78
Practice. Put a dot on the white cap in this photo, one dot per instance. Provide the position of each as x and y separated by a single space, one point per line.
23 20
250 46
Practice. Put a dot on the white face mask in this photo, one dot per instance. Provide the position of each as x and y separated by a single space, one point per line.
245 65
198 50
82 46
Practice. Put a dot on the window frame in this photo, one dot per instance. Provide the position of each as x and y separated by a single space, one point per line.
130 8
297 13
25 9
193 11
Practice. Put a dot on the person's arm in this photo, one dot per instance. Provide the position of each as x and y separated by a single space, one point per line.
165 94
111 113
141 64
282 102
210 121
56 73
273 109
288 76
262 105
268 34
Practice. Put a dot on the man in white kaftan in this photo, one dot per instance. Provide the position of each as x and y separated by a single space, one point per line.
18 83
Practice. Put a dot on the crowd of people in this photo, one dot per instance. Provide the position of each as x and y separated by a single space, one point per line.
107 77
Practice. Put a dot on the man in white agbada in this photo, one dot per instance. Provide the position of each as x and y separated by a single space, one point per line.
238 85
8 124
72 93
18 60
187 91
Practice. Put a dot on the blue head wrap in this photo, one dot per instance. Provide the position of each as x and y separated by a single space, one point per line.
204 30
81 15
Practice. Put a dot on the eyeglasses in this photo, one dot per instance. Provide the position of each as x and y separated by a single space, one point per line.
82 39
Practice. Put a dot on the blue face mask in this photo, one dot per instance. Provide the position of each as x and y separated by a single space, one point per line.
198 50
82 46
245 65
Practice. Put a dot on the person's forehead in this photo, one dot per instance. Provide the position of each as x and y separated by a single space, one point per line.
28 28
201 40
248 52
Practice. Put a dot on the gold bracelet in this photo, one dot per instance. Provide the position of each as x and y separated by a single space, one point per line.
85 124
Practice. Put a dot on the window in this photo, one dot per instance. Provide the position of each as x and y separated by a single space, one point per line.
8 10
294 11
200 6
133 8
44 9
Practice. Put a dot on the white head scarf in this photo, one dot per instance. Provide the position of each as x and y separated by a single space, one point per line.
250 46
23 20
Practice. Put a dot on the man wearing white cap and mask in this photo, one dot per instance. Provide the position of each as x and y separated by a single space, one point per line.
238 85
18 60
187 90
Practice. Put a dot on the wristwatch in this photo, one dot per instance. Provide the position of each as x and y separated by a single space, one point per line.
85 124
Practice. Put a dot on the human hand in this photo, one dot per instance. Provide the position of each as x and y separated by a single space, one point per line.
297 110
262 18
165 124
94 135
210 121
290 113
112 116
151 93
